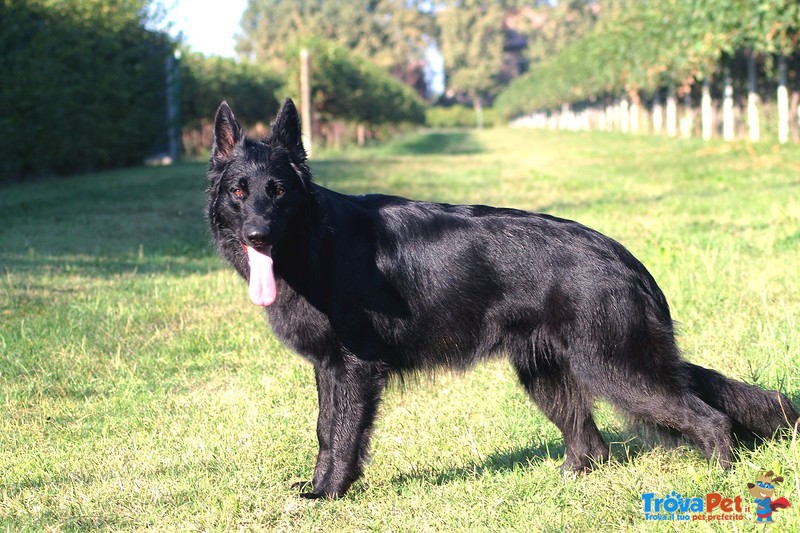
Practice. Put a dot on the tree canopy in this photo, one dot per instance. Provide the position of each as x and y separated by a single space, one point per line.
391 33
638 47
347 87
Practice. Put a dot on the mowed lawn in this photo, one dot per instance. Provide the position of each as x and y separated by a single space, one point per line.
139 388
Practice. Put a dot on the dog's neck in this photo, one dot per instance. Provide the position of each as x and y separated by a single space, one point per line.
302 258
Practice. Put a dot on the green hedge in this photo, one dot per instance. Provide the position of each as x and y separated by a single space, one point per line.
83 86
457 116
251 90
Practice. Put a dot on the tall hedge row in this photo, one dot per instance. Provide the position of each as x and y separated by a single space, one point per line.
83 86
251 90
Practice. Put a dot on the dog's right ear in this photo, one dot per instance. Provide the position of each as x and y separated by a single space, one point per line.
227 132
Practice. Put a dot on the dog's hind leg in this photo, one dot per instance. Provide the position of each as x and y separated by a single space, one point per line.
751 409
661 396
349 393
569 406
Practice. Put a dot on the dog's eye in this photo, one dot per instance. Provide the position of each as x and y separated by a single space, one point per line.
237 192
279 191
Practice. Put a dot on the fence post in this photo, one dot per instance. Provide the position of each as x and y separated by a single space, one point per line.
305 99
752 99
173 105
706 113
728 131
783 102
672 111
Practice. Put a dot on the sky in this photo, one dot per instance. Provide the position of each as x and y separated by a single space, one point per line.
206 25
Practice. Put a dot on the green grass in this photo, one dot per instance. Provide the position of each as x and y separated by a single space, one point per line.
140 389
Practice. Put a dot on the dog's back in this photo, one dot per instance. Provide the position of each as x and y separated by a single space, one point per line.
423 284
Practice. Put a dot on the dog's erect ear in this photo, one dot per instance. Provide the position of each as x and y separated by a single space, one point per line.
778 479
286 130
227 132
751 485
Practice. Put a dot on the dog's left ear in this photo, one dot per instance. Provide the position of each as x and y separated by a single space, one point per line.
286 131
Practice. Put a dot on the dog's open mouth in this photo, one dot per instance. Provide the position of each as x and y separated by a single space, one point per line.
262 288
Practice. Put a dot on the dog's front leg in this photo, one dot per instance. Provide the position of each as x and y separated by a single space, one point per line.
349 393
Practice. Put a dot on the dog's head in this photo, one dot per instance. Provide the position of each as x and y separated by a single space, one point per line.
255 189
764 487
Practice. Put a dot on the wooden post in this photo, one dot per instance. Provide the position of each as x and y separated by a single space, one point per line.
624 115
794 114
361 134
658 114
728 126
687 122
633 114
753 127
478 105
783 102
706 111
672 111
173 106
305 100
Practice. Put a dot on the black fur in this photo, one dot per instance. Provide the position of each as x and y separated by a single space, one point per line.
373 285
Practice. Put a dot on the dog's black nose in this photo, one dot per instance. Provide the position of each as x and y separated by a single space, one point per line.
258 236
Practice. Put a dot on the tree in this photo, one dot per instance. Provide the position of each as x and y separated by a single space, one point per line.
771 27
347 87
391 33
471 39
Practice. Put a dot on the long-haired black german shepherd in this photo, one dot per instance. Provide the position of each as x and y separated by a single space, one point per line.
367 286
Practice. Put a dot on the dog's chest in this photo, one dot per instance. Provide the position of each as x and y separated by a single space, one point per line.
302 327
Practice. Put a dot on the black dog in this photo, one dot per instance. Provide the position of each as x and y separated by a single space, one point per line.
367 286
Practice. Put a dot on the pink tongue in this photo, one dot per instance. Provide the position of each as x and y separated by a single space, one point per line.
262 281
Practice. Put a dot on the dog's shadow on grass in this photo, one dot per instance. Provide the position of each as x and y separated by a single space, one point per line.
623 449
503 461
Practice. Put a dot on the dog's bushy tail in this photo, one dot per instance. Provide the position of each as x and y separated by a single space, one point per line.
753 410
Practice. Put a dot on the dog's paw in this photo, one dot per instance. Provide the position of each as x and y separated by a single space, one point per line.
321 494
302 486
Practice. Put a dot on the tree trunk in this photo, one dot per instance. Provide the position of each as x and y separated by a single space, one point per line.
707 113
753 127
361 134
728 125
624 115
658 114
478 105
634 113
794 115
672 111
687 122
783 102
